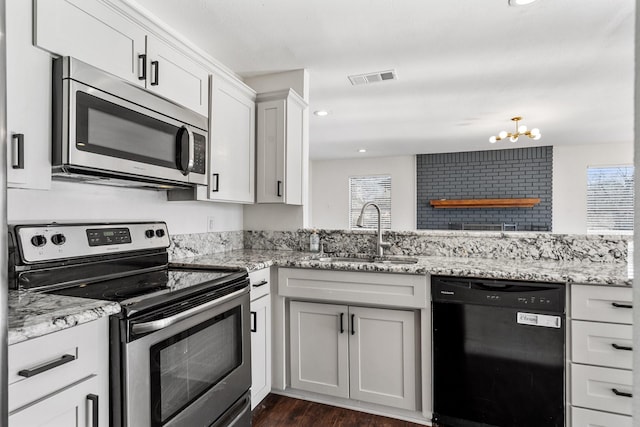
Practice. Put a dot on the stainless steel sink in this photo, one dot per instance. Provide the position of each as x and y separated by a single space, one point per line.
383 260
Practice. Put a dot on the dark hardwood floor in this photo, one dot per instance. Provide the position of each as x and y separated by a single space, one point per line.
281 411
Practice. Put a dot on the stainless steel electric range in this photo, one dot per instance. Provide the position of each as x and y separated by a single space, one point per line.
180 348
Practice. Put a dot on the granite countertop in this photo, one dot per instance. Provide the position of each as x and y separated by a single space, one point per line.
534 270
34 314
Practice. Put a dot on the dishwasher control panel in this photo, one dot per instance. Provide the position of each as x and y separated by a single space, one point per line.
500 293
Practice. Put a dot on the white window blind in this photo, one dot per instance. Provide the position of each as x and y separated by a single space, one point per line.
610 200
377 189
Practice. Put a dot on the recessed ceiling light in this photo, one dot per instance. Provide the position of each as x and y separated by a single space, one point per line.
321 113
362 150
520 2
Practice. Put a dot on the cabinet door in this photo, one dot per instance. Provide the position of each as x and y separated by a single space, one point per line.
382 346
93 33
28 102
232 140
260 349
319 348
176 77
293 174
271 151
71 407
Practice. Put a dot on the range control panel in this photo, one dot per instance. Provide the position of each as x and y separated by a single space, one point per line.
41 243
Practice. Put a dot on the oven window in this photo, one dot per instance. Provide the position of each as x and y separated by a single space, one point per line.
103 127
185 366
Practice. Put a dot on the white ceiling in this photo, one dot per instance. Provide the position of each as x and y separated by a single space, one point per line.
465 67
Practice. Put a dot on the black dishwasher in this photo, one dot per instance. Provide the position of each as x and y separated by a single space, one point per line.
498 353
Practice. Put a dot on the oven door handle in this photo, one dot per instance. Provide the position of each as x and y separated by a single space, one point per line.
156 325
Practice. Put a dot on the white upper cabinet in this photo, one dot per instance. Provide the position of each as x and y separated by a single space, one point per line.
232 141
92 33
98 35
28 102
280 138
172 75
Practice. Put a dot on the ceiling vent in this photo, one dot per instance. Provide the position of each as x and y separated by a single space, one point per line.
378 76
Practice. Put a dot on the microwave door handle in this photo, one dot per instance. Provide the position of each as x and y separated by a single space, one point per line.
156 325
192 155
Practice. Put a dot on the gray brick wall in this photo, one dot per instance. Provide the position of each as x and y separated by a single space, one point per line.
513 173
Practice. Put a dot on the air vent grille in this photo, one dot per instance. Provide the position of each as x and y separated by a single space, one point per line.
378 76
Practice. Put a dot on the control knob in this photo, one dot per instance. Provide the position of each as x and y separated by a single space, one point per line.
159 232
149 233
38 240
58 239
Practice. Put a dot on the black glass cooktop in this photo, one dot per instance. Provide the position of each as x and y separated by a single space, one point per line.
161 286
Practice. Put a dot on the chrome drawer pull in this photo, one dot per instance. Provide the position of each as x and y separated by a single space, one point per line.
619 305
257 285
54 364
621 393
621 347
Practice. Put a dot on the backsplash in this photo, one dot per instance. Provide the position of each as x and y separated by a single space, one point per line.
497 245
187 245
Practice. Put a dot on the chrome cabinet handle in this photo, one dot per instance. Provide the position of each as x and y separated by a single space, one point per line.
155 68
27 373
93 398
621 393
142 66
621 347
17 151
262 283
156 325
620 305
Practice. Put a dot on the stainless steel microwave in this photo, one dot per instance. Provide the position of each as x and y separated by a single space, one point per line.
109 131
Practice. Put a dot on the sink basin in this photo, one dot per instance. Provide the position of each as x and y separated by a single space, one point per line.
383 260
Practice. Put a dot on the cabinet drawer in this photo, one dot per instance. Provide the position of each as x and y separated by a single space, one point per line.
85 346
388 289
605 344
601 303
595 388
587 418
260 283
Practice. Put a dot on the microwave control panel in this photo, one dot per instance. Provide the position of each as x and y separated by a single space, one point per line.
199 153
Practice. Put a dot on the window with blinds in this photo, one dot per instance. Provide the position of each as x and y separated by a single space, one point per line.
610 200
376 189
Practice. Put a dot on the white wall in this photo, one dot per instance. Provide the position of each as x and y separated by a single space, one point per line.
570 180
86 202
330 189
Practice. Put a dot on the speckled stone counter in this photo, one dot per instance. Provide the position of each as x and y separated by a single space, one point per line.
251 259
535 270
32 315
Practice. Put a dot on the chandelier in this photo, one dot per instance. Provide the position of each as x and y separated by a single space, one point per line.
521 130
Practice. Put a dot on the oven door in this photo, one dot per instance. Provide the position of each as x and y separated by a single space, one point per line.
191 371
110 134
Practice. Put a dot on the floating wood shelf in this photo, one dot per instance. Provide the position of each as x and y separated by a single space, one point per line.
484 203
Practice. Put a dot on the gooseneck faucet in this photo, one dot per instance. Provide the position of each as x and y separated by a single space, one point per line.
380 245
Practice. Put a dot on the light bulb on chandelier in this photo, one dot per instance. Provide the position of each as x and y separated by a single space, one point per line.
520 130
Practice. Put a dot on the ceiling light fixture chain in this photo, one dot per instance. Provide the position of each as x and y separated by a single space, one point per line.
520 130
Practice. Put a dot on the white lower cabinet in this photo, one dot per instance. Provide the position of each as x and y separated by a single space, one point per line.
61 379
75 406
601 356
363 353
260 335
587 418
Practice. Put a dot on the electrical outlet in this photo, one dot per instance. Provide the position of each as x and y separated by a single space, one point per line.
211 223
